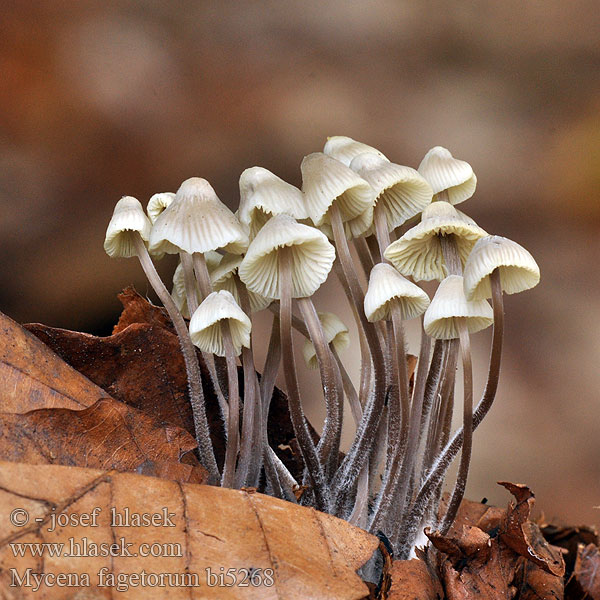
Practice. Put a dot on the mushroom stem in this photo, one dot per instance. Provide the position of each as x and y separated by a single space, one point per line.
366 434
202 276
381 229
465 457
349 389
445 458
233 425
307 447
329 444
205 448
364 255
360 511
251 442
189 282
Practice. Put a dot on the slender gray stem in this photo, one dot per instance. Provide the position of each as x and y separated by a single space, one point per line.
205 449
233 426
465 457
349 389
307 447
363 444
329 444
189 282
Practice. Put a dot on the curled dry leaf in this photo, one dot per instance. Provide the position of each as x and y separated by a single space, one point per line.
412 580
525 537
141 365
107 435
534 583
586 573
201 534
33 377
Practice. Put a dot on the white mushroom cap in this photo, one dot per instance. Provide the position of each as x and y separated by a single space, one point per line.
385 285
418 252
402 191
518 269
444 172
221 278
128 219
344 149
197 221
449 302
205 325
325 180
158 203
263 195
312 258
336 333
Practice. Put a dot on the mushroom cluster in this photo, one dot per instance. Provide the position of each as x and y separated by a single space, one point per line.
402 226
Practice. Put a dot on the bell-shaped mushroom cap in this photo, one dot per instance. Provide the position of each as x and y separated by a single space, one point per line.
518 269
263 195
385 285
128 219
158 203
344 149
312 258
325 180
444 172
336 333
221 278
205 325
402 191
197 221
418 252
448 304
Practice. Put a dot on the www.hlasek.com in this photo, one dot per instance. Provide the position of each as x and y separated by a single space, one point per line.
79 547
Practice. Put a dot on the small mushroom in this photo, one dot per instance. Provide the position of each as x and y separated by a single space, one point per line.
344 149
336 333
127 232
264 195
158 203
419 253
448 174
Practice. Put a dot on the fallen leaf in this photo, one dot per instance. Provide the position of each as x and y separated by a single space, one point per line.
107 435
34 377
570 539
235 544
535 583
411 580
587 570
137 309
525 537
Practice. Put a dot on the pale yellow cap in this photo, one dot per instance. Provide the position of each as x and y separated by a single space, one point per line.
449 303
158 203
518 269
128 219
205 325
444 172
197 221
418 253
385 285
344 149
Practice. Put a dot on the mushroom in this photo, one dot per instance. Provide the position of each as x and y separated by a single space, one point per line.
289 260
158 203
263 195
344 149
127 232
219 326
418 253
448 174
400 193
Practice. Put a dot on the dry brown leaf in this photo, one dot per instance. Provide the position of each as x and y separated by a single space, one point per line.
587 570
311 554
137 309
534 583
525 537
34 377
411 580
107 435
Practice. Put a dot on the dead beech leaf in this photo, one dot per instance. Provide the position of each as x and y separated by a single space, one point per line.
34 377
533 582
587 570
411 580
137 309
107 435
525 537
215 533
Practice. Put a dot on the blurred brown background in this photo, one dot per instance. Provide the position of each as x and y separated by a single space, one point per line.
101 99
